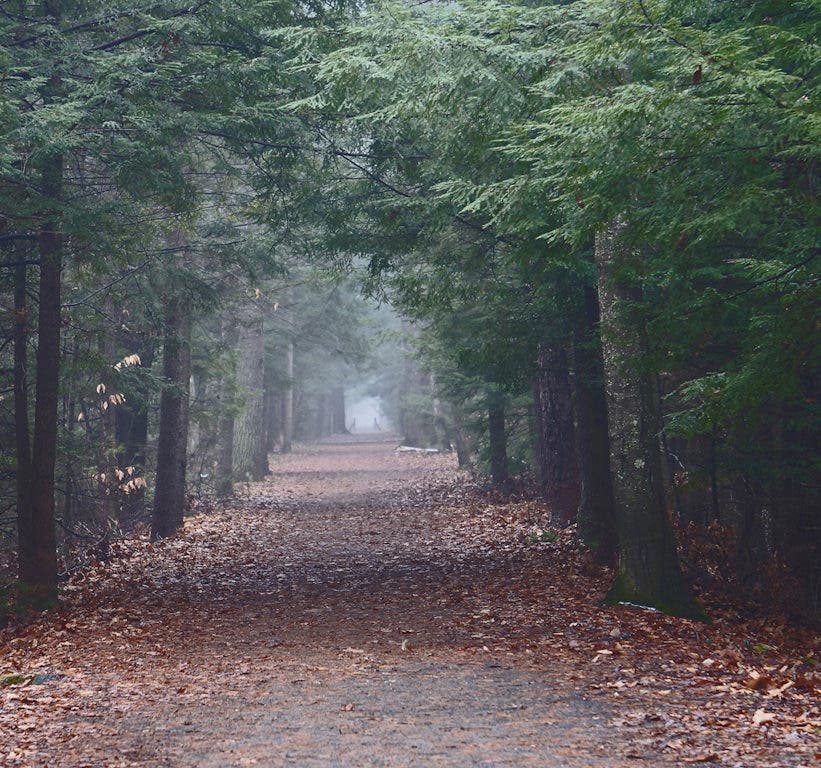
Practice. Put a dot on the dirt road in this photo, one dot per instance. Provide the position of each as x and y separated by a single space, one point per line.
358 608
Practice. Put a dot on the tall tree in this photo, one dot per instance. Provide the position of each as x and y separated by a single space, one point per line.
596 505
250 457
172 444
648 569
557 462
497 438
39 574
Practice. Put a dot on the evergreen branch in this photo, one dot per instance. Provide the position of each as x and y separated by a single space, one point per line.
773 278
119 279
313 150
80 27
145 32
729 69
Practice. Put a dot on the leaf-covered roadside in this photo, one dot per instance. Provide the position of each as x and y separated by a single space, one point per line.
349 565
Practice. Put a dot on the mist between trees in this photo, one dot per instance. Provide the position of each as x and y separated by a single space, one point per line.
594 222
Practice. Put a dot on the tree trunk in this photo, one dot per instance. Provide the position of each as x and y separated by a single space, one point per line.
597 526
39 574
106 447
288 401
227 415
172 445
411 388
71 489
553 400
132 437
38 568
250 457
320 427
460 438
25 536
273 408
648 569
225 455
498 441
338 425
440 423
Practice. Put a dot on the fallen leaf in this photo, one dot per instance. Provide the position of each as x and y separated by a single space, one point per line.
756 681
761 716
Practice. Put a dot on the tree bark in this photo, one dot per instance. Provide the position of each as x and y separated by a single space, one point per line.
273 408
250 457
288 401
553 400
172 445
597 526
38 575
227 416
413 390
648 568
25 537
38 566
497 436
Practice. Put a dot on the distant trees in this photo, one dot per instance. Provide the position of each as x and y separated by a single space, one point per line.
122 218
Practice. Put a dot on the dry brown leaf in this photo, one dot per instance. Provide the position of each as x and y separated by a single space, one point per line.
709 757
756 681
761 716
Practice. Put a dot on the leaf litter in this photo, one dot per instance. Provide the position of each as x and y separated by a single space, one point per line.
354 565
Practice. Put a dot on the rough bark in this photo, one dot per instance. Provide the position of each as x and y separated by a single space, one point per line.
250 457
172 445
648 567
597 525
497 436
553 401
409 424
795 504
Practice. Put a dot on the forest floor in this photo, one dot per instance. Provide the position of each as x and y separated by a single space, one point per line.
363 607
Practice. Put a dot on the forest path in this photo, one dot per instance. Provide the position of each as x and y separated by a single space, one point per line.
360 607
